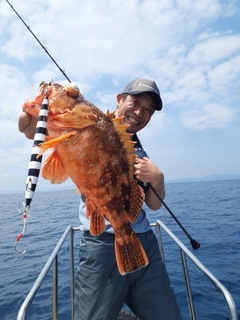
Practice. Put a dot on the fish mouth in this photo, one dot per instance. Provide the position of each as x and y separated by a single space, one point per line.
31 107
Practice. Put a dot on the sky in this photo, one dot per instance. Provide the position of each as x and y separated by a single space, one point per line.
191 49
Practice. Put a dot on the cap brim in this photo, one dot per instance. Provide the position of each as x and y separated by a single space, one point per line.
155 97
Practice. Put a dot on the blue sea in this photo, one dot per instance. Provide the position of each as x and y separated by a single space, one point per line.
209 211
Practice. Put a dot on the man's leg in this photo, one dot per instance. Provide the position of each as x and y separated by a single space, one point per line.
99 288
151 296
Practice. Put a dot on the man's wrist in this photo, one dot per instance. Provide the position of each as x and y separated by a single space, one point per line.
158 184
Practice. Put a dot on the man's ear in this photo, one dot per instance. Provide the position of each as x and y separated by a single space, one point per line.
118 99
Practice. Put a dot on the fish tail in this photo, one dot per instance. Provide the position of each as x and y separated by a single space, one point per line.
130 254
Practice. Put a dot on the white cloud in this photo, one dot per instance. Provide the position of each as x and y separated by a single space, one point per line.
209 116
214 47
225 77
8 131
190 48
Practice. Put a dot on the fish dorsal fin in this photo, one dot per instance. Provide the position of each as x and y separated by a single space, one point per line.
125 138
110 115
137 199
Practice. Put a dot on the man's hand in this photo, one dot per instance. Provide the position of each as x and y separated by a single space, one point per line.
146 171
27 124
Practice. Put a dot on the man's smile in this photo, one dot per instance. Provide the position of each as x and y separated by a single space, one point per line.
132 120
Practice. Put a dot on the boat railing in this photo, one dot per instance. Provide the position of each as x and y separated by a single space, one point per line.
184 251
53 262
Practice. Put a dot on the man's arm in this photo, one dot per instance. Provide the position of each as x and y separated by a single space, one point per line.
147 171
27 124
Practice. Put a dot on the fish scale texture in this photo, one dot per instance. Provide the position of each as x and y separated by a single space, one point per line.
95 151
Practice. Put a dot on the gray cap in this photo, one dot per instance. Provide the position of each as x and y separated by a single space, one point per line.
141 85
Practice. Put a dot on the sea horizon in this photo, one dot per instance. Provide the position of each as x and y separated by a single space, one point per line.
212 177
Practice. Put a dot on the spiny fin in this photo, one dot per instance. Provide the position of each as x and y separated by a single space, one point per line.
97 222
110 115
121 128
136 201
53 169
51 143
128 144
130 254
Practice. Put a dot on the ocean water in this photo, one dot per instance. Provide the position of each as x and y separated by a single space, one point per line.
209 211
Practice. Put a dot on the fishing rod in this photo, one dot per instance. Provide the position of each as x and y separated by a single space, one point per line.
194 243
44 48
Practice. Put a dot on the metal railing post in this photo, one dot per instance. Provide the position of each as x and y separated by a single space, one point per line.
71 248
188 286
32 293
218 285
55 289
159 238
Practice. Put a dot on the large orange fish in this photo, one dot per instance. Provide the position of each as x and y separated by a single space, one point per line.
96 152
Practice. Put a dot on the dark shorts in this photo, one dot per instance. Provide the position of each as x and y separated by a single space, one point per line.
100 290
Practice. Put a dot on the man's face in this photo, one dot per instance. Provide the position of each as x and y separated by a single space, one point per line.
136 109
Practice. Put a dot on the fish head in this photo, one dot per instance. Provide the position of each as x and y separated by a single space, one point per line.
61 99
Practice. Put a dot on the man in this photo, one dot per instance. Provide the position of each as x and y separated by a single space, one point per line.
100 290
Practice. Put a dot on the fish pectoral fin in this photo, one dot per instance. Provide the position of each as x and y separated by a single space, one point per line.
53 169
130 254
136 201
51 143
48 138
97 222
